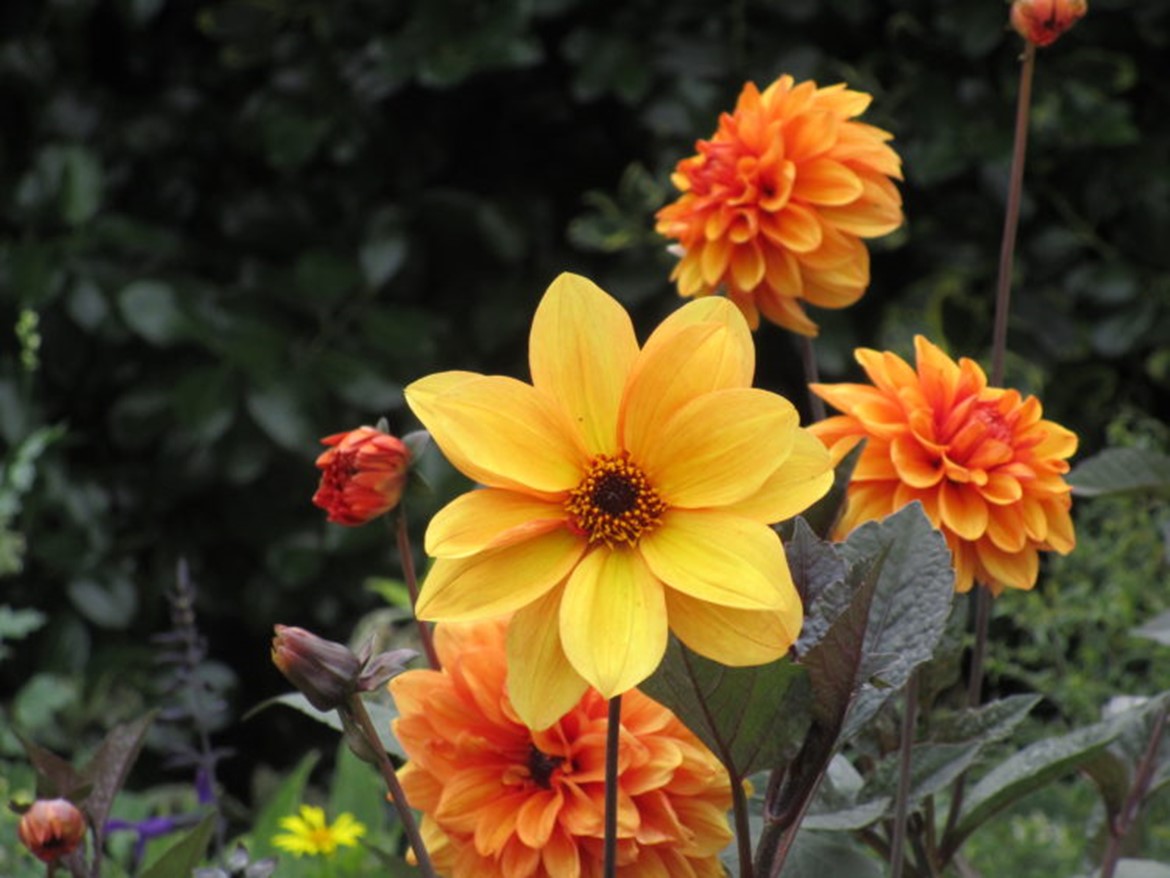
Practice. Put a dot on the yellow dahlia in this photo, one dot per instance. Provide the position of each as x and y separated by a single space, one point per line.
986 467
775 204
502 801
626 491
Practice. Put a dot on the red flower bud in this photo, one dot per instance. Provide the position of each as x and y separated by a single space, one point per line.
1043 21
363 475
51 829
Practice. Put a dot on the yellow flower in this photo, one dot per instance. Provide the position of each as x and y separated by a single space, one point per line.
308 833
502 801
627 491
988 470
775 204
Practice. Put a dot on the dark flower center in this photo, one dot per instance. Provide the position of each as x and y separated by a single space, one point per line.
541 766
614 503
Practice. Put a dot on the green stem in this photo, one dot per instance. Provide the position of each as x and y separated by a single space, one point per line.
406 556
1011 221
902 797
357 711
612 738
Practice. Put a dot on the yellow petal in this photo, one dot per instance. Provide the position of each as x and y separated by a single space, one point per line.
488 519
733 637
719 448
676 368
499 581
580 351
713 309
804 478
721 558
613 620
542 685
499 431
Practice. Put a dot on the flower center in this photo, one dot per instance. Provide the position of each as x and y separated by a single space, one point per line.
541 766
993 421
614 503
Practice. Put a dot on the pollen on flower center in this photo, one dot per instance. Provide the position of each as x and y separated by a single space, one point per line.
542 765
614 503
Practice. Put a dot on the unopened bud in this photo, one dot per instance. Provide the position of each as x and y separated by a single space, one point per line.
324 671
363 475
51 829
1043 21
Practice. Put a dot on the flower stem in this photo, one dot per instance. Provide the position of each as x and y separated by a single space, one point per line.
612 737
1120 827
1003 289
902 798
808 359
357 711
743 831
407 558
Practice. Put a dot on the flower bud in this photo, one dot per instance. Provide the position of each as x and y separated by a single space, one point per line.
324 671
363 475
1043 21
51 829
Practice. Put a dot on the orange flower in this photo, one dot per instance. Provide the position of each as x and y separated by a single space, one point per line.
51 829
501 801
776 203
985 466
363 475
1043 21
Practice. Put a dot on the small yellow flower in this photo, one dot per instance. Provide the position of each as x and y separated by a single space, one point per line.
308 833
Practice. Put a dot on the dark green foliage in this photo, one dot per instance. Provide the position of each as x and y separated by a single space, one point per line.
229 228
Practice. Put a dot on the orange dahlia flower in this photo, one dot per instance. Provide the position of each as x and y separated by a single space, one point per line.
502 801
986 467
1043 21
628 492
363 475
775 204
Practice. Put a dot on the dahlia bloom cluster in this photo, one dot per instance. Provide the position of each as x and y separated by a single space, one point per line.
628 491
503 801
775 205
987 468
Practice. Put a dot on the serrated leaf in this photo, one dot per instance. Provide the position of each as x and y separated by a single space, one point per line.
1121 470
751 718
381 714
988 723
1038 764
184 855
910 605
818 572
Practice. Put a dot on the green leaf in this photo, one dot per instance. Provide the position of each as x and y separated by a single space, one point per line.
1040 763
81 185
986 724
818 571
279 413
111 606
1120 470
151 309
382 714
1141 869
181 858
1157 629
357 788
816 855
18 624
284 803
751 718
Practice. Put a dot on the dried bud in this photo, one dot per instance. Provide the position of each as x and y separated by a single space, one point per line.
328 673
51 829
1043 21
324 671
363 475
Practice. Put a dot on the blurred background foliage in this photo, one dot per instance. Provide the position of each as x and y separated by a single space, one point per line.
230 228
